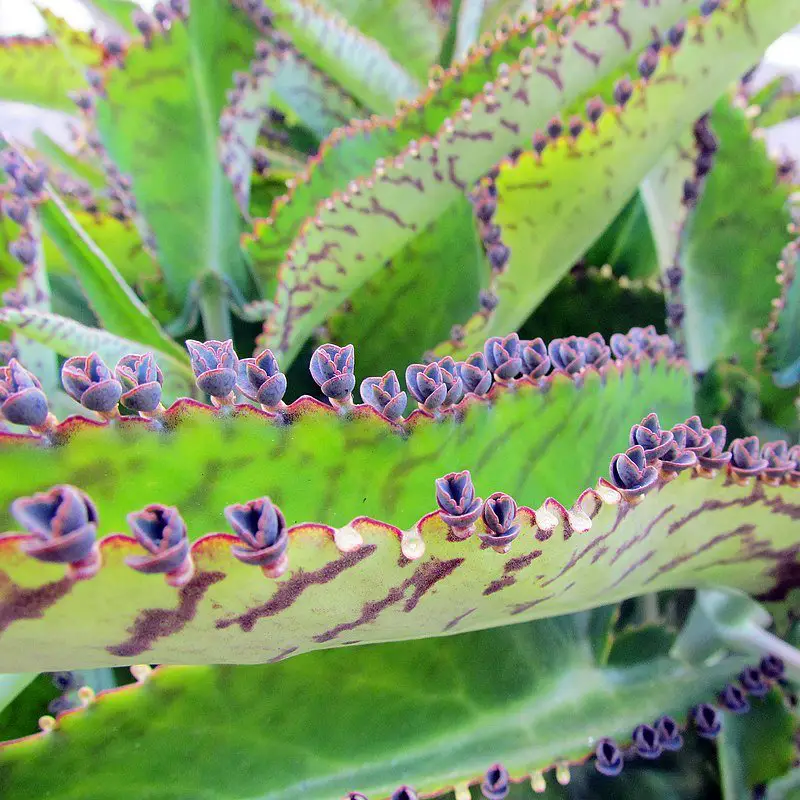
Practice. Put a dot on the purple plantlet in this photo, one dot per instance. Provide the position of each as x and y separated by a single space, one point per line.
499 512
708 7
162 14
332 368
475 375
145 24
161 531
63 527
180 8
385 396
452 381
707 721
623 90
677 458
487 300
622 347
646 742
704 137
22 401
535 358
716 457
262 528
631 474
490 234
772 667
539 143
649 435
575 126
141 381
669 736
261 380
261 162
89 381
697 439
794 457
733 699
703 164
676 33
746 460
554 128
404 793
691 191
504 356
779 463
595 350
608 758
83 100
496 784
485 209
566 355
648 61
459 508
24 250
33 178
426 386
498 256
753 682
594 109
66 681
356 796
214 364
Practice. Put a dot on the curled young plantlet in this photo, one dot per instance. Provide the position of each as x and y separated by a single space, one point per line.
595 350
22 401
669 734
332 368
385 396
452 382
677 457
404 793
535 359
162 532
779 461
746 460
16 209
63 527
631 475
261 380
566 356
646 742
458 506
752 682
89 381
24 250
499 512
496 784
475 375
426 385
716 457
608 758
262 528
733 699
214 364
772 667
504 357
652 439
697 438
707 721
142 382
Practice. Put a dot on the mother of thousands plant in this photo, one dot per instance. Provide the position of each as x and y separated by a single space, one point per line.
420 369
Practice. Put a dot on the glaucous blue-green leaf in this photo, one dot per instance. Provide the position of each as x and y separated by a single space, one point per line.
429 714
351 236
159 120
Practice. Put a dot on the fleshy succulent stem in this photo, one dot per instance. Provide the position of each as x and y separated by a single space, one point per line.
157 413
214 311
48 426
86 568
222 402
344 406
109 415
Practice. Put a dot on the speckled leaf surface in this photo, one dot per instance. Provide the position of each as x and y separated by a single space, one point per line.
371 719
731 244
431 285
351 153
408 29
37 71
160 123
350 237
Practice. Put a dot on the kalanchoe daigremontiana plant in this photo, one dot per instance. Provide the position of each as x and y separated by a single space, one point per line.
321 186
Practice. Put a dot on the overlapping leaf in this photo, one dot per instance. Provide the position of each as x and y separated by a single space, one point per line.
374 722
350 237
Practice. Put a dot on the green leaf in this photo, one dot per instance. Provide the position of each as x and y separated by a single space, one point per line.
728 245
432 284
430 714
350 237
160 123
359 64
38 72
74 165
111 299
781 338
786 788
407 29
68 338
757 747
634 645
12 684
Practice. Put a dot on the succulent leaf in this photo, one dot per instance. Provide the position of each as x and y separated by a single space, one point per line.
416 749
173 153
352 235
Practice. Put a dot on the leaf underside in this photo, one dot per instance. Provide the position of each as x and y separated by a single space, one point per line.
375 720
